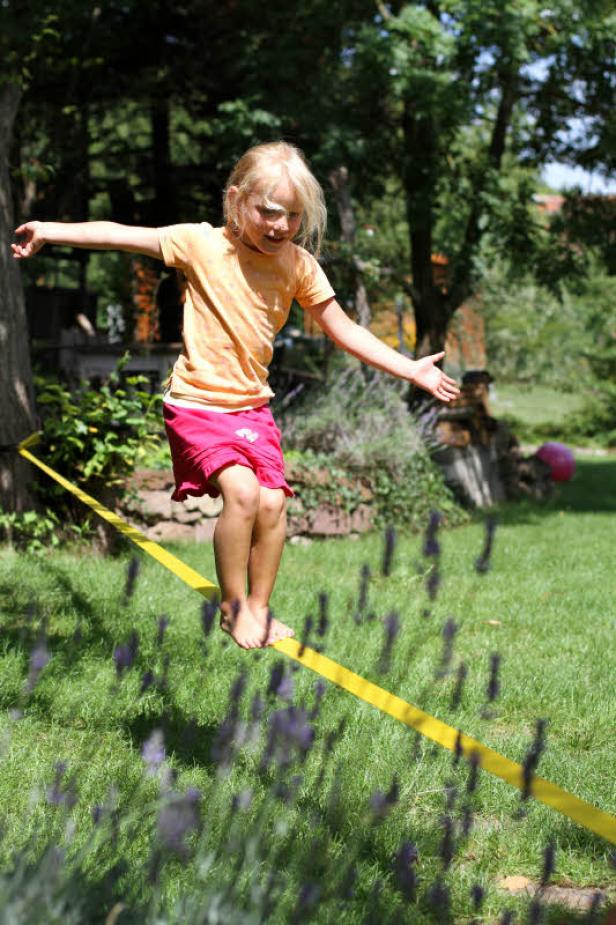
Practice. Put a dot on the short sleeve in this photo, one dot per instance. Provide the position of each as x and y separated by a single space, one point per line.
179 243
313 286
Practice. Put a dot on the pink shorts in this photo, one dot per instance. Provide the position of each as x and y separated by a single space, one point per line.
204 442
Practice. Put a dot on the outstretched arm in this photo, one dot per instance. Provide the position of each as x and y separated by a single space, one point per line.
92 235
362 344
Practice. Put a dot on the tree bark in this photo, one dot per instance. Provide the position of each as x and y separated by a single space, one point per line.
430 304
17 415
339 179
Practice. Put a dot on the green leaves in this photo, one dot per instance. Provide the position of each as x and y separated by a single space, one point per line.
98 434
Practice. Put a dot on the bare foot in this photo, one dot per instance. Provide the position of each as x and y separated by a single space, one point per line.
272 630
239 622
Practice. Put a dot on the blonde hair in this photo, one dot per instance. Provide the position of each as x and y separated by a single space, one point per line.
263 166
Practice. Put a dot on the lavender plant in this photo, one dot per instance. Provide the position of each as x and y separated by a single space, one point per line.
267 833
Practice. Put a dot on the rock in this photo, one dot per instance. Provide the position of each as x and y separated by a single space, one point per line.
578 898
326 520
183 515
362 519
300 541
152 505
152 479
170 530
206 505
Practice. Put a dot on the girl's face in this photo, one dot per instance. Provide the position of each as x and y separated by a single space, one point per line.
270 220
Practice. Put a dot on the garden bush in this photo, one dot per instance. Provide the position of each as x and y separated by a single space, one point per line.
358 426
95 437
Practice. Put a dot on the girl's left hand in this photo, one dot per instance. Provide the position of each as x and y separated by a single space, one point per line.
428 376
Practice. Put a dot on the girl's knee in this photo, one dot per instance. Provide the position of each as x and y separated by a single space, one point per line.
272 503
240 493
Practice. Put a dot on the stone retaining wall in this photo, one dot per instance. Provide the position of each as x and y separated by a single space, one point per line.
149 507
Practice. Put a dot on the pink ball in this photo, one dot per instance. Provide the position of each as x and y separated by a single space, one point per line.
559 458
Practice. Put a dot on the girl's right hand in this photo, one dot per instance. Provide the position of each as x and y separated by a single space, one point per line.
32 240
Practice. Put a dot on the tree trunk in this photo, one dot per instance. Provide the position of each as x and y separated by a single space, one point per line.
17 417
339 180
430 303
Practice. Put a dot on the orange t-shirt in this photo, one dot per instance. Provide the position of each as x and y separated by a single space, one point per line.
236 302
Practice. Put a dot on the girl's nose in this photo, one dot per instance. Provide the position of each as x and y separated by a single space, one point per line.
282 224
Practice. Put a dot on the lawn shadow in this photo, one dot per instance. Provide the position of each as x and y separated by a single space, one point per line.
186 739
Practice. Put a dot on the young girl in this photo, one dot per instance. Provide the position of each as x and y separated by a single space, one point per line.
242 279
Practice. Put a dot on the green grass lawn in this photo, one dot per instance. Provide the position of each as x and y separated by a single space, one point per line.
546 606
533 405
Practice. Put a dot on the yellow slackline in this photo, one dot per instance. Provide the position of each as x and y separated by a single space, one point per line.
585 814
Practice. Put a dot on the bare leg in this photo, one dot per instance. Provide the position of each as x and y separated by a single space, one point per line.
268 537
232 544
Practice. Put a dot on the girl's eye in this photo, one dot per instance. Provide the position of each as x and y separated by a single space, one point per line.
269 213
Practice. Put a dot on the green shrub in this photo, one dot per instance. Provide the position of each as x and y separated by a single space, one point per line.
95 436
32 531
359 428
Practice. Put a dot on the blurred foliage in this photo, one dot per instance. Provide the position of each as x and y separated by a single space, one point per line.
358 429
95 436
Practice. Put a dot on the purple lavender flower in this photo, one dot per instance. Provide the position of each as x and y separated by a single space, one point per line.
392 628
440 899
61 792
153 752
323 613
450 628
477 896
334 736
549 863
39 658
431 546
471 784
209 609
131 578
286 688
237 692
97 814
406 879
362 599
531 761
461 675
257 707
451 795
467 820
308 625
163 623
177 820
290 733
124 654
382 803
535 912
319 690
458 751
276 676
447 845
146 681
388 552
482 563
493 682
242 801
346 889
309 895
